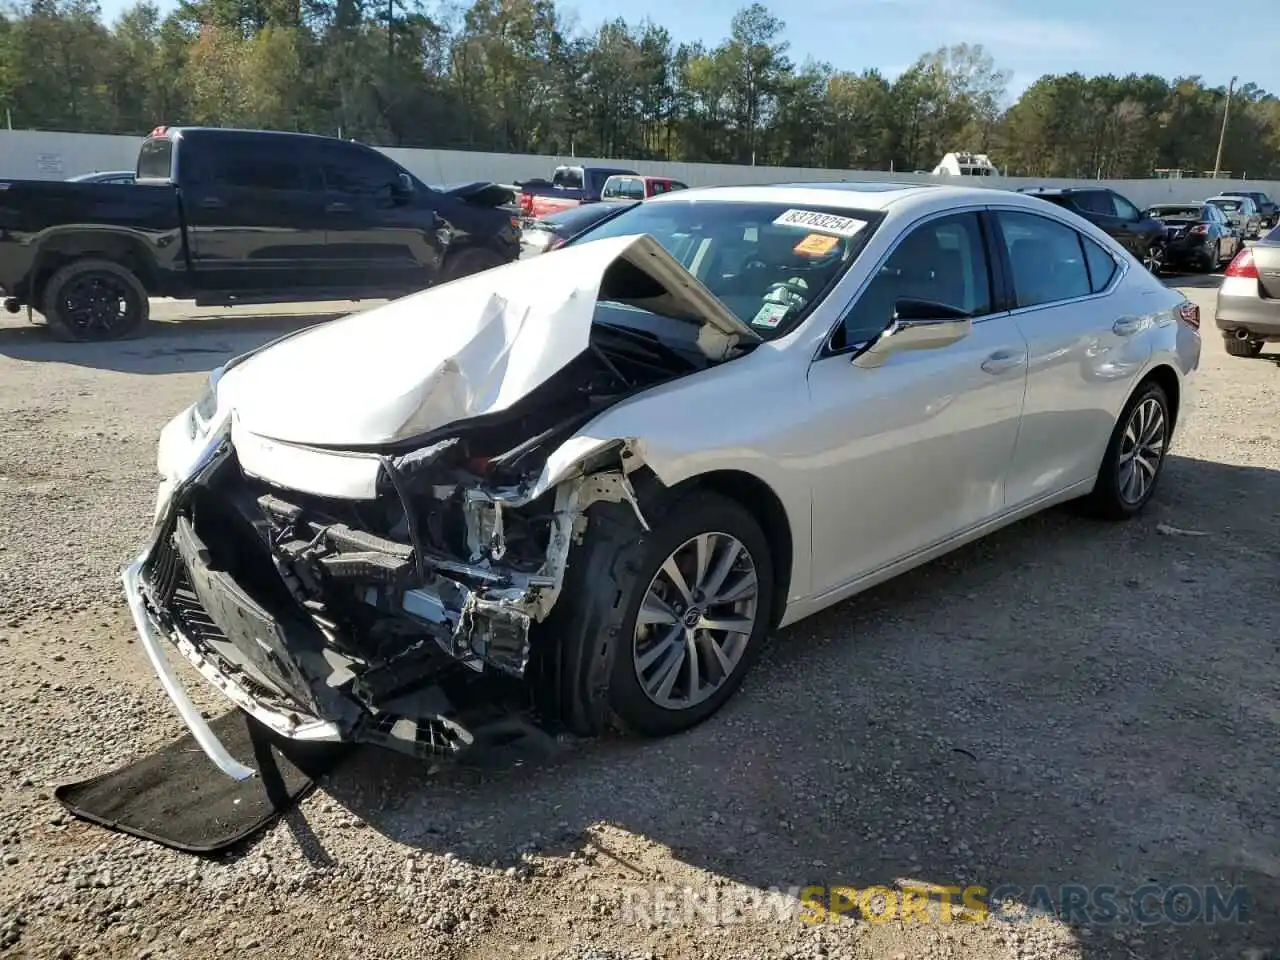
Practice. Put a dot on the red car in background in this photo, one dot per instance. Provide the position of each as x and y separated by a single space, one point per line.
633 186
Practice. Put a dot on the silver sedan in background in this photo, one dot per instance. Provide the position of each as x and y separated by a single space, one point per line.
610 471
1248 307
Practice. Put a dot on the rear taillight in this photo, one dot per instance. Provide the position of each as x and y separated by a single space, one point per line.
1189 314
1242 265
1199 230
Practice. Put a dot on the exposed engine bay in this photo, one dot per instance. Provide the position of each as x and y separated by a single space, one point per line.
364 612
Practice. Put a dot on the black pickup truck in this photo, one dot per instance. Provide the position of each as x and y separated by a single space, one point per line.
227 217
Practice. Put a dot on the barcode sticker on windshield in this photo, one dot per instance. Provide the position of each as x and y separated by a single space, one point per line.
822 222
770 315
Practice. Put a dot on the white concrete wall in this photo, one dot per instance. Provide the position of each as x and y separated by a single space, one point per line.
54 156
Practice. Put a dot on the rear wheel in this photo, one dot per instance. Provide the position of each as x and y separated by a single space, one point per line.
468 261
1242 348
1153 259
1135 456
94 300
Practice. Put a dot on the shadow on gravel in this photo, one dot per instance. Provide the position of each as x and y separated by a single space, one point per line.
1207 281
1066 702
168 346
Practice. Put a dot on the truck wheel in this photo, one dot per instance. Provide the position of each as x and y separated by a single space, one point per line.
468 261
94 300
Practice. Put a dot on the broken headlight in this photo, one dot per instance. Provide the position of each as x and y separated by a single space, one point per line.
207 404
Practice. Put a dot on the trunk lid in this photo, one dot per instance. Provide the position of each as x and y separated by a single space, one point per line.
467 348
1266 257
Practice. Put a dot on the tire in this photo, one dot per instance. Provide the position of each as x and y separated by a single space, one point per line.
468 261
1211 260
1154 259
1109 500
1242 348
592 631
94 283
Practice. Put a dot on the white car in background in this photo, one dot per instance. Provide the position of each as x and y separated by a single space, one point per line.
609 471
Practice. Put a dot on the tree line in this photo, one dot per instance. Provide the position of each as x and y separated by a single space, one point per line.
519 76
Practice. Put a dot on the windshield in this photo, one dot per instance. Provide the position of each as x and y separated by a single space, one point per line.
769 263
1226 204
1181 213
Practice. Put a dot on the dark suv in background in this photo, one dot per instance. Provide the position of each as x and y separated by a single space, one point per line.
1112 213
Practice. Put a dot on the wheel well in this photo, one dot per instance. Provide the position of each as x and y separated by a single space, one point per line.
57 252
1168 381
758 499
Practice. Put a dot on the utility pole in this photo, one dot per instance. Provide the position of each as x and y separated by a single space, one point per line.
1222 136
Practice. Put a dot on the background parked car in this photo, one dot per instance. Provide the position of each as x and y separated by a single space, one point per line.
1267 208
1242 213
1114 215
636 187
553 230
1248 307
239 216
569 186
104 176
1197 235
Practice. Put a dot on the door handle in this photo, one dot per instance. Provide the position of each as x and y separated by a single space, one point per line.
338 208
211 203
1002 361
1126 326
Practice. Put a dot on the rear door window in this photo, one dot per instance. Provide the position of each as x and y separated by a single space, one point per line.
1046 258
258 164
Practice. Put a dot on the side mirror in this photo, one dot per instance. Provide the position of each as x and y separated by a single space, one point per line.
402 188
917 325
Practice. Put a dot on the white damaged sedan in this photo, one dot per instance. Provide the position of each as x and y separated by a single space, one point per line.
606 473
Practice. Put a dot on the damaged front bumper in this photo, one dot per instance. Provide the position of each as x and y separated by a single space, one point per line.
290 669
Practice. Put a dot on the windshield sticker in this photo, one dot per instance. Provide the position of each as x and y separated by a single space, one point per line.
822 222
770 315
816 245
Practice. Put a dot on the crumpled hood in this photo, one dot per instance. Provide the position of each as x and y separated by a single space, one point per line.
460 350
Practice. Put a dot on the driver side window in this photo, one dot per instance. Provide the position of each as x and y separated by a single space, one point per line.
944 261
1124 209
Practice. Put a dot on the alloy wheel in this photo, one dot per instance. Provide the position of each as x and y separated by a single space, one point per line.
1142 450
97 304
695 621
1153 260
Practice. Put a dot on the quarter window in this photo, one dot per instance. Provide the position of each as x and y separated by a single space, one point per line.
944 261
1046 259
1102 266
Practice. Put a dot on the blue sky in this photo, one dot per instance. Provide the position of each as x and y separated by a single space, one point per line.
1026 37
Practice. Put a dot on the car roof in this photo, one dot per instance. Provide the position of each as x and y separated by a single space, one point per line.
1059 191
843 194
1228 196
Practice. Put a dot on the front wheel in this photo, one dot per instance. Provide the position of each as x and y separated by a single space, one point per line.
1135 456
468 261
667 622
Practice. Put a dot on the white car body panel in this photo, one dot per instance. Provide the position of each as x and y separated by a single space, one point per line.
464 349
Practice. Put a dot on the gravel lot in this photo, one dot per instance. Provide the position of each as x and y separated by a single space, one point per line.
1066 702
